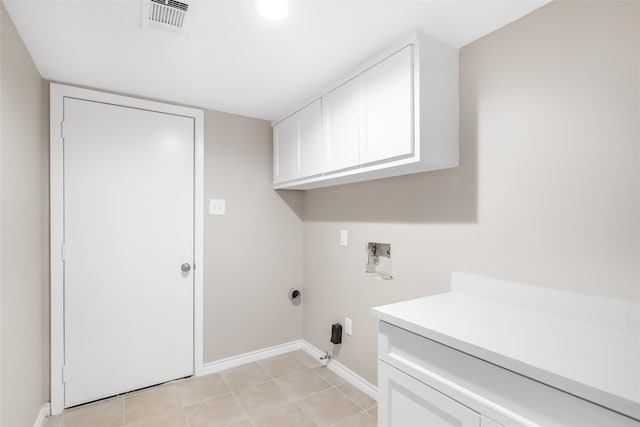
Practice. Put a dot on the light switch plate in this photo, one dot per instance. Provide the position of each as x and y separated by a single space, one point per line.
217 207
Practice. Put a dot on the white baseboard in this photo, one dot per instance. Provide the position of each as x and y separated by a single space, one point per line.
346 373
255 356
45 411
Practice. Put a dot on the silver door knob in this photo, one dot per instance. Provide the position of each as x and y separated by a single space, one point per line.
186 267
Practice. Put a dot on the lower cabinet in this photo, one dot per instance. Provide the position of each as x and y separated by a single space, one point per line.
410 403
424 383
488 422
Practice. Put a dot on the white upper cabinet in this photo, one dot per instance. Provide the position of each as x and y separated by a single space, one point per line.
394 115
310 140
285 151
387 109
297 145
340 117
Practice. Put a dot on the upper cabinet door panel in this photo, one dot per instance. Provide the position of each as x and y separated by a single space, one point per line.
310 142
387 108
340 116
298 145
285 153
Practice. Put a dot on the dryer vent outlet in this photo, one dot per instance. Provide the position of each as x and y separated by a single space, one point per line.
167 14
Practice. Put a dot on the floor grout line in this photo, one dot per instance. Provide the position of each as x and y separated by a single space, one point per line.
306 413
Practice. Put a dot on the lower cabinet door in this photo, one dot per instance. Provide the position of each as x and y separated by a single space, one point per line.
406 402
488 422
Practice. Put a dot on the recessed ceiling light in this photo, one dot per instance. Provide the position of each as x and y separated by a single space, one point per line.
273 9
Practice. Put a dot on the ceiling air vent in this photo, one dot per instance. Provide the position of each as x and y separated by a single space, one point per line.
167 14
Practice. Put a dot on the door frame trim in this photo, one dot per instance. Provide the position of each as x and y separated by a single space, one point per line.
57 94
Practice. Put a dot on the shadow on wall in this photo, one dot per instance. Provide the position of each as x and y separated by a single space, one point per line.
295 200
46 243
445 196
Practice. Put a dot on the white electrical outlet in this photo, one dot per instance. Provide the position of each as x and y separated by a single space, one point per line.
348 326
343 237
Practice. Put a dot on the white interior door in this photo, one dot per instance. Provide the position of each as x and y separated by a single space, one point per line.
128 228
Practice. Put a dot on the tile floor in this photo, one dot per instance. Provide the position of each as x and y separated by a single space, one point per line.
291 390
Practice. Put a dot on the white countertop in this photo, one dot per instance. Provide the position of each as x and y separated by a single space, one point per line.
586 345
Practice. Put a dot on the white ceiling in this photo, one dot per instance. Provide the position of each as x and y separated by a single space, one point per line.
229 58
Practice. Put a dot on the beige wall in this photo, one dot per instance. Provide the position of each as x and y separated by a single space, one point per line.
547 192
23 237
253 254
